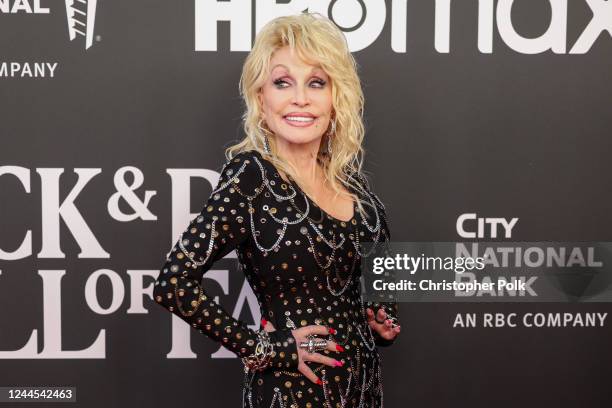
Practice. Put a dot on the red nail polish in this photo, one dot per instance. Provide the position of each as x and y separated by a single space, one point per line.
319 381
331 330
338 363
339 348
264 322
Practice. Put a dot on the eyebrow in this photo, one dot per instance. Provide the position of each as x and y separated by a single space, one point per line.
315 68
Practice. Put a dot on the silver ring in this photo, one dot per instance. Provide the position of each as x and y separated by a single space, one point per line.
313 344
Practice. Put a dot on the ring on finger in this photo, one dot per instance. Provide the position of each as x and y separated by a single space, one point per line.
313 344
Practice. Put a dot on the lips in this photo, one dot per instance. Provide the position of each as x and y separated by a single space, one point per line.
299 119
300 114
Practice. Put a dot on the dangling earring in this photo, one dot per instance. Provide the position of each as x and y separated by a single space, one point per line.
329 136
267 145
266 141
333 127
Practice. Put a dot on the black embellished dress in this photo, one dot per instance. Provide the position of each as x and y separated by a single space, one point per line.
303 266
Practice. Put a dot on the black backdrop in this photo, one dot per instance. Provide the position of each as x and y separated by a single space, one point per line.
505 132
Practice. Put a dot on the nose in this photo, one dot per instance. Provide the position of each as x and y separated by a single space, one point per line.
300 96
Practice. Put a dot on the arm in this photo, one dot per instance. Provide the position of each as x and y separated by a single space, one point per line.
389 308
223 225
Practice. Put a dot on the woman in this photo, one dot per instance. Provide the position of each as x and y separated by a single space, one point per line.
294 205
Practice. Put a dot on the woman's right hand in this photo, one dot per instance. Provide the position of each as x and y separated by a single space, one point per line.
301 335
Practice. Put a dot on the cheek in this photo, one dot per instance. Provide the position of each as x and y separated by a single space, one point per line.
275 102
324 100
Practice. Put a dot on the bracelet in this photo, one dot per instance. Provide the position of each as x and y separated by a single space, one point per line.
261 358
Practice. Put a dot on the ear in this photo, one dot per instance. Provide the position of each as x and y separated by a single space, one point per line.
260 100
260 103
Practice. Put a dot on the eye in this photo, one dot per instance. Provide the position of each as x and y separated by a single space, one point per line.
279 82
320 82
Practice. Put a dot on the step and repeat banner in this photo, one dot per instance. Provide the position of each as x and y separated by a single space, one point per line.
486 122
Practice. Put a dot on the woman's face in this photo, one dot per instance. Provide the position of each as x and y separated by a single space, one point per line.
293 88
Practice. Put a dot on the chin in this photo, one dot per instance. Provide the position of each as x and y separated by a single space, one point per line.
294 137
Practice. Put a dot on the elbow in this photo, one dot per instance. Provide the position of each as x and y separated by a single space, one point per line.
160 288
158 293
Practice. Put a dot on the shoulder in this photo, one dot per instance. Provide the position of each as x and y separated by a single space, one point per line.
255 170
239 161
244 171
366 191
246 163
374 207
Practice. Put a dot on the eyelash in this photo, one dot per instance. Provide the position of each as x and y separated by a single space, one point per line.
277 82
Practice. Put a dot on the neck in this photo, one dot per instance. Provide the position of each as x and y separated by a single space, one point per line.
303 160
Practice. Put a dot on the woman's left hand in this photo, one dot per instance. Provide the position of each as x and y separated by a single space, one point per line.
385 329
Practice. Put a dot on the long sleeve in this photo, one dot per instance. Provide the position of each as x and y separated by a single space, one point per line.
390 307
222 226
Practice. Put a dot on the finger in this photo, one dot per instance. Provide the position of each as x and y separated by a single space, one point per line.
391 334
375 325
305 331
378 328
370 314
333 346
321 359
382 329
308 373
317 330
269 327
388 323
388 335
382 315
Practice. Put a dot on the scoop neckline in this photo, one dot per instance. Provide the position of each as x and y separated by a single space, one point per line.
295 185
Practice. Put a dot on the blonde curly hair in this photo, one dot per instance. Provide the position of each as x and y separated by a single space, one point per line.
314 38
